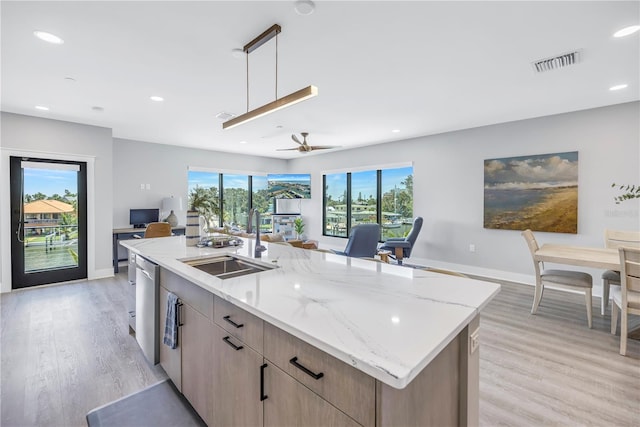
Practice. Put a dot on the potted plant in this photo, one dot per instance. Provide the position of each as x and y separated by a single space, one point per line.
298 224
630 192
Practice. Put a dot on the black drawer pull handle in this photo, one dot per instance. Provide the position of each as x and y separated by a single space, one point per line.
235 347
306 370
179 313
262 395
237 325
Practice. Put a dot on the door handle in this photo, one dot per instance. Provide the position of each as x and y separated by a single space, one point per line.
262 395
294 362
235 347
237 325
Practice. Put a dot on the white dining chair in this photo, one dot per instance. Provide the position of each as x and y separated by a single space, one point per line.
615 239
627 296
562 279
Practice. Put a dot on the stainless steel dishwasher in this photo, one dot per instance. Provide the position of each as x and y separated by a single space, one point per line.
147 295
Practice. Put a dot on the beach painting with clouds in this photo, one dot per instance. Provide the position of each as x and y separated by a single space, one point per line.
537 192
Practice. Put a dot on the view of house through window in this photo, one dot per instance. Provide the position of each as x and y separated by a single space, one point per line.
384 196
335 205
224 200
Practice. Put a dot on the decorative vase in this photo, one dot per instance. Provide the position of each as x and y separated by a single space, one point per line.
172 219
192 232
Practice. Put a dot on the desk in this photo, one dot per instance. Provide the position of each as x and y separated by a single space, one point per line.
128 233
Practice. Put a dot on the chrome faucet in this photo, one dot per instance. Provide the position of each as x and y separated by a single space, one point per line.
257 253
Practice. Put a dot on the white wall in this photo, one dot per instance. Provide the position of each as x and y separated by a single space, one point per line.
449 176
37 137
165 168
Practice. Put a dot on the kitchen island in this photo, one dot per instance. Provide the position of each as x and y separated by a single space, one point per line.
405 339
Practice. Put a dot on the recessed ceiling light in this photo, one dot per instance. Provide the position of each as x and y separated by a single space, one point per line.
238 53
97 108
242 142
156 98
618 87
70 79
627 31
304 7
396 131
48 37
42 108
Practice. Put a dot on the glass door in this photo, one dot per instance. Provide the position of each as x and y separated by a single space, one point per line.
48 221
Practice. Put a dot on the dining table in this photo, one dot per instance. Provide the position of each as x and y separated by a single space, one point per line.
583 256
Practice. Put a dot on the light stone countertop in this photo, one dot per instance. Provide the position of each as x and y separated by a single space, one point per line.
385 320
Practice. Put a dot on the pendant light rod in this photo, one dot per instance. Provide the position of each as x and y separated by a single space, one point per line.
267 35
278 104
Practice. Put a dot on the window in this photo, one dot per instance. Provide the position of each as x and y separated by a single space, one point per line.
364 196
225 199
384 196
235 201
204 196
262 202
397 202
335 204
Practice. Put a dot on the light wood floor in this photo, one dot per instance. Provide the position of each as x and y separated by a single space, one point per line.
66 349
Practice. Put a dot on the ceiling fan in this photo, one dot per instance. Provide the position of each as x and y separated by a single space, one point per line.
304 147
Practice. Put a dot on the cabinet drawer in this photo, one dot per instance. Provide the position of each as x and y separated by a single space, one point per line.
198 298
347 388
240 324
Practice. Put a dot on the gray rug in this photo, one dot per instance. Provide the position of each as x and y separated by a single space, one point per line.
156 406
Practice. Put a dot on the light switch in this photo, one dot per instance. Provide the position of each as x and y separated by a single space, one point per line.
142 186
148 186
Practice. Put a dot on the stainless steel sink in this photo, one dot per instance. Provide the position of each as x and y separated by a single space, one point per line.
226 266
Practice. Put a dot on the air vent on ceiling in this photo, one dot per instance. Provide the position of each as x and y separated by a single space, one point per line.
556 62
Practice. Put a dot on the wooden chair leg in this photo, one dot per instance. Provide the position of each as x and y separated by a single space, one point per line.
605 296
536 298
399 253
588 301
614 317
623 332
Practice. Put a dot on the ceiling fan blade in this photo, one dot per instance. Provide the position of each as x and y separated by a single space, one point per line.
288 149
323 147
295 138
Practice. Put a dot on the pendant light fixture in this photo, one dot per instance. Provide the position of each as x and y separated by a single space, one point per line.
279 103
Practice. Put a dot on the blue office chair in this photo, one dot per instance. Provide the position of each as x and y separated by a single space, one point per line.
363 241
401 247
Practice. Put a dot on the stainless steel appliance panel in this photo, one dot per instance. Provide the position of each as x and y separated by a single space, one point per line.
147 296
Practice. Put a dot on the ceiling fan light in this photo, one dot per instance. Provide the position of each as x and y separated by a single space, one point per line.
278 104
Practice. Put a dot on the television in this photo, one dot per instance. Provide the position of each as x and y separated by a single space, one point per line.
289 186
139 218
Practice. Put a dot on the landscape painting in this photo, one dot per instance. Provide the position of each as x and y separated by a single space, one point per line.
289 186
537 192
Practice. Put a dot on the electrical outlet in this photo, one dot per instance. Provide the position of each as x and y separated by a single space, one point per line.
474 341
472 247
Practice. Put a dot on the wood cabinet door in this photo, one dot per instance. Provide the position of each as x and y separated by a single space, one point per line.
196 334
236 382
170 359
289 403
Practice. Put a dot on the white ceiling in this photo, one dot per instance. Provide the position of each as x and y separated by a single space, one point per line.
417 66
